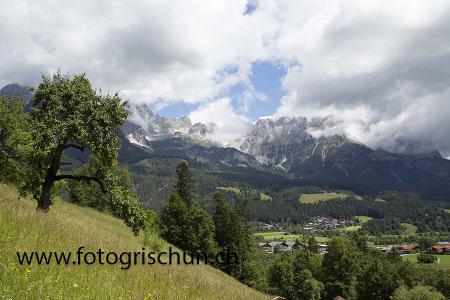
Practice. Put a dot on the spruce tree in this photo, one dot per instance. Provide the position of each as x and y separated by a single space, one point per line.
202 229
175 221
233 237
222 221
184 186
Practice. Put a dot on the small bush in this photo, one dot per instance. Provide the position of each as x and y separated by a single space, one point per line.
152 237
153 240
418 292
424 258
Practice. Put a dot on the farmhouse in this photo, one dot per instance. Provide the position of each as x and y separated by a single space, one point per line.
386 249
322 248
282 246
287 246
439 249
407 248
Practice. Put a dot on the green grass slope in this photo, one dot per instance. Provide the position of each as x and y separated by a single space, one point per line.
314 198
443 262
339 194
65 228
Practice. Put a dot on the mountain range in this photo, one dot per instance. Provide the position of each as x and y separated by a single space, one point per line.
279 147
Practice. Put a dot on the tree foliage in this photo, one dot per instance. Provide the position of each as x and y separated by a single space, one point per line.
184 224
419 292
340 268
15 138
184 184
425 258
67 113
233 236
175 222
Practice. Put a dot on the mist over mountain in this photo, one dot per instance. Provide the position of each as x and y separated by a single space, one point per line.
288 146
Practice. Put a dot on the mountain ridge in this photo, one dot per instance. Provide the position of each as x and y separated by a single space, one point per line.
284 146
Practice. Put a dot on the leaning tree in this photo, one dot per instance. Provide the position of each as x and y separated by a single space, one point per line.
68 113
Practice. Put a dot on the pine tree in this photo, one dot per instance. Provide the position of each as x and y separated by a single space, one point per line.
183 224
175 221
184 186
222 221
233 237
202 229
243 209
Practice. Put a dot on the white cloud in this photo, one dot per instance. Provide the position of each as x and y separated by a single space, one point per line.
150 51
380 68
229 126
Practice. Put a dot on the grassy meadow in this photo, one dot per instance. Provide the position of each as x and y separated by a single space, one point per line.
443 261
265 197
363 219
67 227
314 198
277 235
269 236
350 228
229 189
409 229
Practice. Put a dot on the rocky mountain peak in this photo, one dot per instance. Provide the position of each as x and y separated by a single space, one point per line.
16 90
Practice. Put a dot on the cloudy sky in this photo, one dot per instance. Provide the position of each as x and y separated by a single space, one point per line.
379 69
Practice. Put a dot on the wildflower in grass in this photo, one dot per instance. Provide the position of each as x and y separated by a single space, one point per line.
75 285
148 296
27 270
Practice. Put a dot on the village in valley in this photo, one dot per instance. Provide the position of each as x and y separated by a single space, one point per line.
277 239
404 249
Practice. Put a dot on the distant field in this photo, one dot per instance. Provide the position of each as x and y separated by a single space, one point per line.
364 219
265 197
443 263
350 228
409 228
322 239
447 210
269 233
350 193
314 198
229 189
277 235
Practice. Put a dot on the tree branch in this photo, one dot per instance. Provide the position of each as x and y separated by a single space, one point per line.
74 146
82 177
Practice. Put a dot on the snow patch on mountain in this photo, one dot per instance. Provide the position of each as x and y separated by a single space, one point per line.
274 143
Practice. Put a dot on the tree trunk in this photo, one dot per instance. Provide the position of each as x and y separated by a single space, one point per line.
45 199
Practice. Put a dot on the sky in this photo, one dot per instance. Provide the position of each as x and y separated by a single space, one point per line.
380 70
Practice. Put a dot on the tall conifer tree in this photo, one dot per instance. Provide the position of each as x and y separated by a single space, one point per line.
184 184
